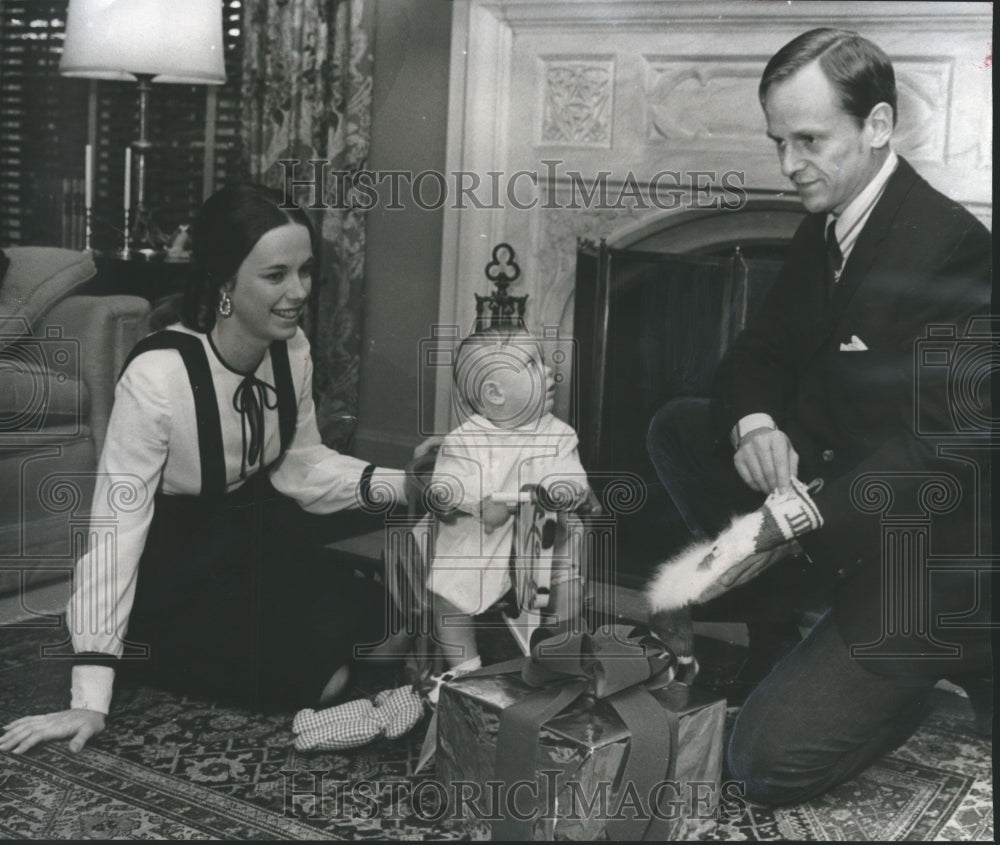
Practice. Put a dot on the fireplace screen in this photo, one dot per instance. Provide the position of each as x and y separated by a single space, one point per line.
649 327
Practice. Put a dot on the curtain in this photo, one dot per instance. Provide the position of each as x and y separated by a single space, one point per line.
307 90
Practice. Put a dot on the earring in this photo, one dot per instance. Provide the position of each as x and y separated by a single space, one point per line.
225 304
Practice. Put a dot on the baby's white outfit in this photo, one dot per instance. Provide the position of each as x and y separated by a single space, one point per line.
478 459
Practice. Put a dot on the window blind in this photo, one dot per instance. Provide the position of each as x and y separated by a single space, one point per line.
44 121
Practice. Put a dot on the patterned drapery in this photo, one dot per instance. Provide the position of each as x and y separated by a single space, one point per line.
307 91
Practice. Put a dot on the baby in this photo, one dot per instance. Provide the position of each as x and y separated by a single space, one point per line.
508 438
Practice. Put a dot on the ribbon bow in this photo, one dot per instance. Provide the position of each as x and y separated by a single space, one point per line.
250 399
611 660
615 664
359 722
619 664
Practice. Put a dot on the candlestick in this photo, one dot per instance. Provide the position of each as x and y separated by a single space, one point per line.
128 178
88 176
126 252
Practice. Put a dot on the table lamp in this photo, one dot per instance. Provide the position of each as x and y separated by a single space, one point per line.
144 41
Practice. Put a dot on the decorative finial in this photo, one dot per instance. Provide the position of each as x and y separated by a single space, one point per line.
504 309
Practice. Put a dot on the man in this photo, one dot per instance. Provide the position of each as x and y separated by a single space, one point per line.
823 384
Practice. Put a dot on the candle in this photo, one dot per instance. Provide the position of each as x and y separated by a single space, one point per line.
88 176
128 178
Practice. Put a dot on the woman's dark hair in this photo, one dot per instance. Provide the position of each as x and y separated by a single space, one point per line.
228 225
859 71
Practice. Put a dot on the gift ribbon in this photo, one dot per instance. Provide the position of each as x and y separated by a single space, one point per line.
618 664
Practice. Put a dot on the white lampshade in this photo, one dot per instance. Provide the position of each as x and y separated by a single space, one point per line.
173 40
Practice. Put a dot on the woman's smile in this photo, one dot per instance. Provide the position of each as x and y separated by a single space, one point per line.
288 313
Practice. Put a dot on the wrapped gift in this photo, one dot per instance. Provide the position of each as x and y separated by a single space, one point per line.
589 778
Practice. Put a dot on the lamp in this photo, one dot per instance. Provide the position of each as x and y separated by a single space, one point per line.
145 41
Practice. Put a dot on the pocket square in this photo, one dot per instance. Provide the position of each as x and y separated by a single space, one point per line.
856 345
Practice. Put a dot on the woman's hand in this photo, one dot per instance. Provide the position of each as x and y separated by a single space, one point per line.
427 445
75 725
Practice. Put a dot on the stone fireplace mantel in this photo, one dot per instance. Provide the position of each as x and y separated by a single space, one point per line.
551 100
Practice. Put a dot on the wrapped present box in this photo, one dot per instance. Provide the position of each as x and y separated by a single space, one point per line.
580 759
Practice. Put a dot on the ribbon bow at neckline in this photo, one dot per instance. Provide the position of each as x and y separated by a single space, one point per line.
250 399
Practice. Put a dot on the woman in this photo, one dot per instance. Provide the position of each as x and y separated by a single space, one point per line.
212 453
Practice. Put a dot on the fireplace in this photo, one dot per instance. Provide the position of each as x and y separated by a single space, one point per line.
656 307
546 94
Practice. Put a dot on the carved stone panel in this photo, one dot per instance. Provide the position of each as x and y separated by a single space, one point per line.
923 91
712 101
577 101
624 91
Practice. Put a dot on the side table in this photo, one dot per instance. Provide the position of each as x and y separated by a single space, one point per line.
154 280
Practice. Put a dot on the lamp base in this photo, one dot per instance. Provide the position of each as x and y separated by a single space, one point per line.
148 254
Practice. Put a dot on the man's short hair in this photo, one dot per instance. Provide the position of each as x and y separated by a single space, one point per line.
859 70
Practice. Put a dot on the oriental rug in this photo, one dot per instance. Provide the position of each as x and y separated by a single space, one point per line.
169 767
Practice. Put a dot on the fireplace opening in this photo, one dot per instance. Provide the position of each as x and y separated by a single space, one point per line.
655 309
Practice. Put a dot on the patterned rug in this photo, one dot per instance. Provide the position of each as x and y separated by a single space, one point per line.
937 786
174 768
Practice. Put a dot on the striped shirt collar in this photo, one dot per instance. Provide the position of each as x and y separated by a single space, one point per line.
854 217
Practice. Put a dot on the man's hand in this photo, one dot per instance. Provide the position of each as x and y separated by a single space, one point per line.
76 725
765 460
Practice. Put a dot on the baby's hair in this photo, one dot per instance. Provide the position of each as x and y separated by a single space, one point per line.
474 360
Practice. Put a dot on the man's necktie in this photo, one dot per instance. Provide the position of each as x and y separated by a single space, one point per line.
834 257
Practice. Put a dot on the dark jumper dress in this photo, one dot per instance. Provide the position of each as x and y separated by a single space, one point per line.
236 598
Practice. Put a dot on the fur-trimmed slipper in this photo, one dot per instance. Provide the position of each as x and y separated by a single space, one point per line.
744 549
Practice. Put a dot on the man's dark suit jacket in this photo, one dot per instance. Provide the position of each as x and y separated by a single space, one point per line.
921 260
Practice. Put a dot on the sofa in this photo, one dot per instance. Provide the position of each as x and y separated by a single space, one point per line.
60 355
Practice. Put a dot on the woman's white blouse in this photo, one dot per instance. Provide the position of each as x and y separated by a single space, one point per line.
152 444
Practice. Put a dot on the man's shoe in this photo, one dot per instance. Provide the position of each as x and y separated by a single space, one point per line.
979 688
768 643
676 629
